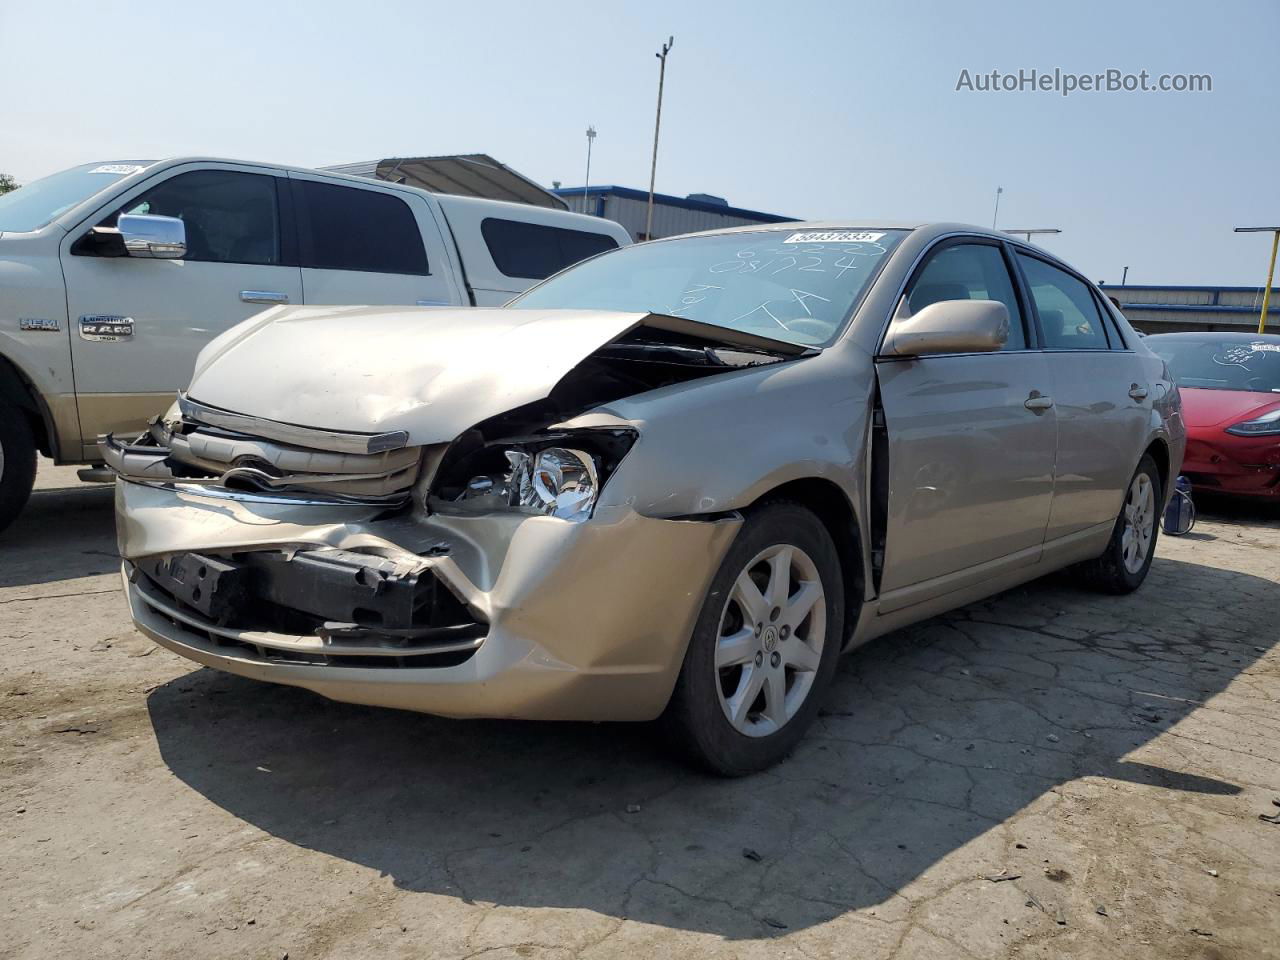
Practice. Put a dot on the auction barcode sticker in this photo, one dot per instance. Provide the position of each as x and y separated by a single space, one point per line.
833 236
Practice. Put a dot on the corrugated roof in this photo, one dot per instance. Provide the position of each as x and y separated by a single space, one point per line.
691 202
466 175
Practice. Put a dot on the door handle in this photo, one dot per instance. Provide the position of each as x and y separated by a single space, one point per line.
1037 401
1138 392
263 296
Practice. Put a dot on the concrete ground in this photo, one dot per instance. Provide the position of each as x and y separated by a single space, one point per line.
1051 773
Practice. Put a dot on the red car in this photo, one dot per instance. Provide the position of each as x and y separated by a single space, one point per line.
1230 386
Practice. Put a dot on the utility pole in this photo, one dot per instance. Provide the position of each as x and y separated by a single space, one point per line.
996 214
1125 278
657 125
586 181
1271 269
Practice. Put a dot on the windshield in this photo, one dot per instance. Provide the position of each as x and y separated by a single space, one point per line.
41 201
794 285
1217 363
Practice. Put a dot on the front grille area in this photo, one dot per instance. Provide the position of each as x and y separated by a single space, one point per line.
257 463
312 606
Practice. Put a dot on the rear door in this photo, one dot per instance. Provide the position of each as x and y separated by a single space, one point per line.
137 324
1099 391
369 245
970 464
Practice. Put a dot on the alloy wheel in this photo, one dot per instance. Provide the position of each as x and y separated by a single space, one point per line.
1139 522
770 641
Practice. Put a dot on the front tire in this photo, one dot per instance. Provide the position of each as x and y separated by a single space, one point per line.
1124 564
17 463
765 644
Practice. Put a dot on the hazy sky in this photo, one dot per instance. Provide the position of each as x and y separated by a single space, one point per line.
823 110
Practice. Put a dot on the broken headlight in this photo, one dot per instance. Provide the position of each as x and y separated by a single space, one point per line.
559 476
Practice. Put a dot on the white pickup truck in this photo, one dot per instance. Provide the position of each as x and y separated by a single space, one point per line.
114 275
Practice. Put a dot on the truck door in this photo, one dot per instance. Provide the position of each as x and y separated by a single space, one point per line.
368 245
137 324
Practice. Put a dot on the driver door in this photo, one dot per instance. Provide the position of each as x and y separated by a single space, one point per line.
970 466
237 248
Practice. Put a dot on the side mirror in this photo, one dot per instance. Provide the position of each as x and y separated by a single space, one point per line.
145 235
948 326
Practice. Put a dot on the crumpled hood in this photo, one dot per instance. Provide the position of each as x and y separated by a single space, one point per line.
432 372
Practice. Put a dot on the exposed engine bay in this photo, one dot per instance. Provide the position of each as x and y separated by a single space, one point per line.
517 458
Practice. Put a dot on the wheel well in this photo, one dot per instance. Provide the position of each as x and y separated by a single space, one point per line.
832 507
17 390
1159 452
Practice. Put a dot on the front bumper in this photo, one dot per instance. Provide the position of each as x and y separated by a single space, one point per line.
580 621
1219 462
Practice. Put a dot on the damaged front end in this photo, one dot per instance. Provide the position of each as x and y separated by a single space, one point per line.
195 444
389 567
287 602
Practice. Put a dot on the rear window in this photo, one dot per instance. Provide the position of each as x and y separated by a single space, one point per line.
1209 362
532 251
346 228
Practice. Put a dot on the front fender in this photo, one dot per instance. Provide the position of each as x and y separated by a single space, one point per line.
35 338
721 443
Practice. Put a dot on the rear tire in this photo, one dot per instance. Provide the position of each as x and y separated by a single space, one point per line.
17 463
764 647
1124 564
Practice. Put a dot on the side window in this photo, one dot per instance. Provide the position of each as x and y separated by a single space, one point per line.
346 228
1113 327
532 251
969 271
229 217
1069 315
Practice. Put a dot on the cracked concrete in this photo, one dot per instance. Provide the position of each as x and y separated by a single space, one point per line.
1113 753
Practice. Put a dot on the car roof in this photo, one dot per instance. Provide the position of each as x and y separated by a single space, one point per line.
1238 335
931 227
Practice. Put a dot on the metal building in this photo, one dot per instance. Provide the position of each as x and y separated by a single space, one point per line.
1172 308
671 215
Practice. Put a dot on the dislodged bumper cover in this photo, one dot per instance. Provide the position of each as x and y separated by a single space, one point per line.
585 621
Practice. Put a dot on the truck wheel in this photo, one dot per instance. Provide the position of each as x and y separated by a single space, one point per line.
17 463
765 645
1124 564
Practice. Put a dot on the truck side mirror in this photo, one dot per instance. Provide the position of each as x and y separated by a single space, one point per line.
156 237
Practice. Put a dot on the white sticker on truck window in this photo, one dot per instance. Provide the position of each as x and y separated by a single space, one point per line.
117 168
833 236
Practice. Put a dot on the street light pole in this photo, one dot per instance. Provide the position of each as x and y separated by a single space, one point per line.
1271 269
586 181
1125 279
996 214
657 125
